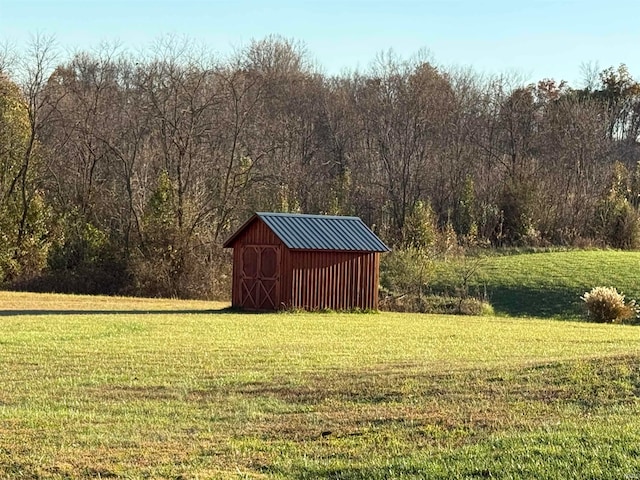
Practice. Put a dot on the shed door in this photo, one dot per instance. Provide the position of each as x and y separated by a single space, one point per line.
260 277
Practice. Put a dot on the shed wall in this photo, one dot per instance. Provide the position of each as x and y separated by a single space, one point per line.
334 280
256 234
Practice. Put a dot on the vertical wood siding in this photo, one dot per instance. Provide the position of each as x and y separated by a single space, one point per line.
257 234
334 280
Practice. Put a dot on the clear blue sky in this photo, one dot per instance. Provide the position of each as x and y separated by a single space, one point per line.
535 38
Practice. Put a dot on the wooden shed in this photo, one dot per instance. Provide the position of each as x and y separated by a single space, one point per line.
284 260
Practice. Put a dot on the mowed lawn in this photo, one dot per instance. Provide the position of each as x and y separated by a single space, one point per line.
111 387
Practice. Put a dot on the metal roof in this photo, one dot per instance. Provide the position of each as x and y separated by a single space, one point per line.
319 232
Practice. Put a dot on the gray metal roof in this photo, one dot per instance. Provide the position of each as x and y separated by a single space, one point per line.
320 232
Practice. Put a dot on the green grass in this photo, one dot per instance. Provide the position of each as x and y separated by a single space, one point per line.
107 387
542 284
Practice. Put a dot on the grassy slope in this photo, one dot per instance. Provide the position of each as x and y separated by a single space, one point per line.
544 284
119 392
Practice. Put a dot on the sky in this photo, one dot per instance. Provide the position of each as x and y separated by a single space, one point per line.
533 39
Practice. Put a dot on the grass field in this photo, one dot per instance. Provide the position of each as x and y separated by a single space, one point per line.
131 388
542 284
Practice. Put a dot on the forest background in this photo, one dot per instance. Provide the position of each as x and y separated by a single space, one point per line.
123 173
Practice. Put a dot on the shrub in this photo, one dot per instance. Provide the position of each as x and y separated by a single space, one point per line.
438 304
407 271
617 221
420 230
517 204
607 305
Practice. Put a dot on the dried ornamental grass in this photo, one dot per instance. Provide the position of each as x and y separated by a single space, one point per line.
607 305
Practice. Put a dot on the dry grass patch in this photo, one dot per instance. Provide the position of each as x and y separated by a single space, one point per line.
47 303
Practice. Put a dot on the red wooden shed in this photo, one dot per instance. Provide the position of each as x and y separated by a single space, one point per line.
312 262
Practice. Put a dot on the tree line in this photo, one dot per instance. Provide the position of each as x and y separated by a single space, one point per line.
124 173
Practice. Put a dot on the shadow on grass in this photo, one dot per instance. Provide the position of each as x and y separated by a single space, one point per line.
44 312
520 301
526 301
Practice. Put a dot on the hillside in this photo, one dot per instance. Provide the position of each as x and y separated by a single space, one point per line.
541 284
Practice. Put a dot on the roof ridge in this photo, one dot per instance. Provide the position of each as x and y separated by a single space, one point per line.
307 215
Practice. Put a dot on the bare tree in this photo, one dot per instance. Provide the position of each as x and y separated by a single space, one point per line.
404 109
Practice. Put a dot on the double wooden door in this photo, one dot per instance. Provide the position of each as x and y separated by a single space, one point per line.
260 277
